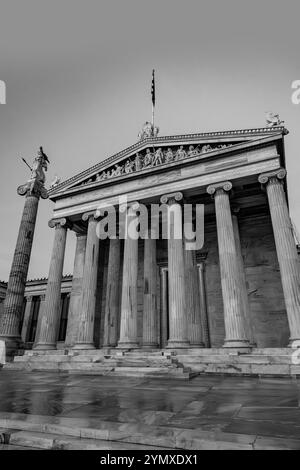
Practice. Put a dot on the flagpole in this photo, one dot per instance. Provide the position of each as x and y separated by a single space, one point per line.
153 97
153 116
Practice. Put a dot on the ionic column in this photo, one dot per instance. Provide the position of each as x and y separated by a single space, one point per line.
193 300
288 258
235 327
150 294
40 314
112 295
164 307
128 327
27 318
86 320
13 302
203 306
48 322
76 292
243 286
178 331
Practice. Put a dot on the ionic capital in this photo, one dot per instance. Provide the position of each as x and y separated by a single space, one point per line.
272 176
171 198
90 215
223 186
59 223
33 188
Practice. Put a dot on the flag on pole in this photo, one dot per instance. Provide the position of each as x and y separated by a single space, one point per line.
153 87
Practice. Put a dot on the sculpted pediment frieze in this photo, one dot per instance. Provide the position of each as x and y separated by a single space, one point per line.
152 157
151 154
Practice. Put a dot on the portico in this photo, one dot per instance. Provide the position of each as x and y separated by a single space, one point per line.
240 289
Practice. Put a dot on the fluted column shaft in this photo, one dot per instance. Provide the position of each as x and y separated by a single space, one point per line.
76 292
242 277
235 328
27 318
164 308
178 330
50 319
112 295
150 295
286 250
13 303
128 327
203 306
85 331
195 331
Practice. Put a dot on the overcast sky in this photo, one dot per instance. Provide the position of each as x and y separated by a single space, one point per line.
78 79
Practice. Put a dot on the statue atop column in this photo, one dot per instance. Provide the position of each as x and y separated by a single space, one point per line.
148 131
35 186
10 319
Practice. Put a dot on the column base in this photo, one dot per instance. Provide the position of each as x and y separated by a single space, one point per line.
128 345
242 346
173 344
294 343
197 345
44 346
12 344
149 346
109 346
83 346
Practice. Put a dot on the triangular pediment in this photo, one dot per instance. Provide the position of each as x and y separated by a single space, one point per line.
160 152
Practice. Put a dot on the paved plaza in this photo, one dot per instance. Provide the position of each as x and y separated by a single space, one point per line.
57 410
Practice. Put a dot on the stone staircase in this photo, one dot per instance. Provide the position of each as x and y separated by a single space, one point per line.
150 364
179 364
260 362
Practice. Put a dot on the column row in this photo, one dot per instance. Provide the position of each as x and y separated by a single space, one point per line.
187 326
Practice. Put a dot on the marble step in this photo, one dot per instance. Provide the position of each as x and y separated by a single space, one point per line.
165 437
111 362
12 447
49 432
40 440
277 370
242 359
102 369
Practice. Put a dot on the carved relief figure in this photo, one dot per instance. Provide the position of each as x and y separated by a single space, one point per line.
118 170
180 154
158 157
138 162
169 155
148 159
206 148
193 151
129 166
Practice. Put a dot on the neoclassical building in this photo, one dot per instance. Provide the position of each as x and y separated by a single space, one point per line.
238 295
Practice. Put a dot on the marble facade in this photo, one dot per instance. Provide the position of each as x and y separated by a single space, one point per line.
136 294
